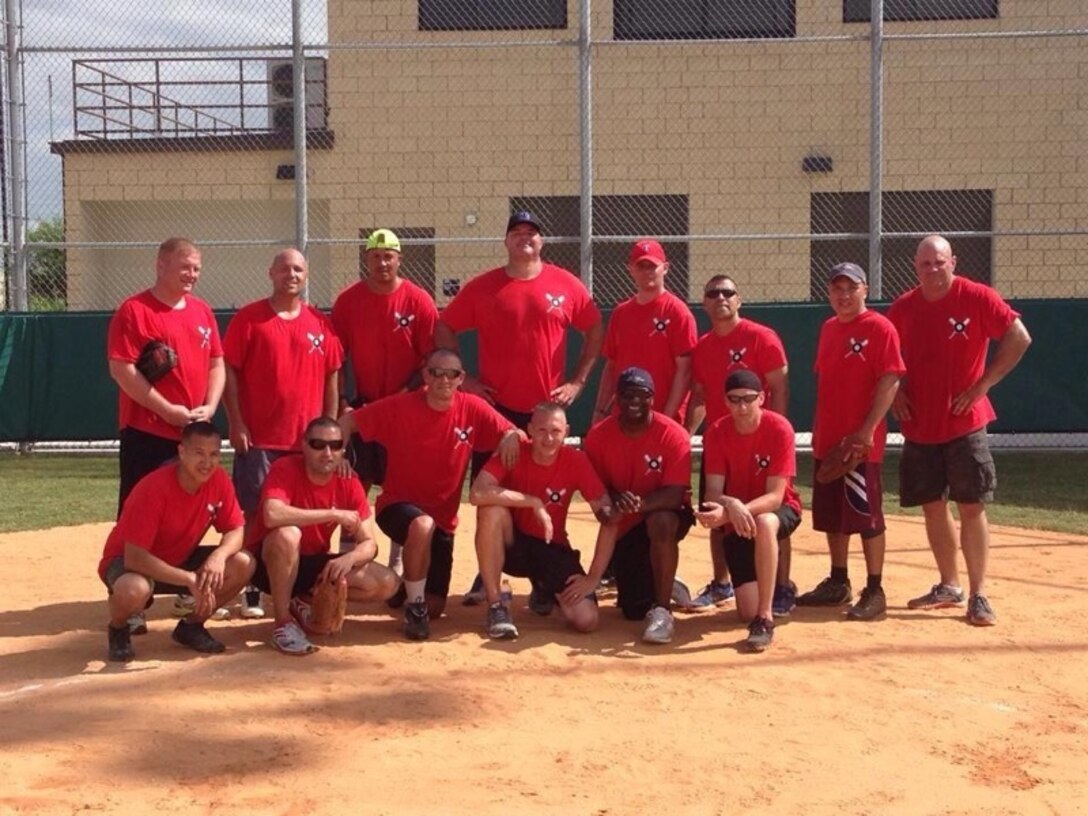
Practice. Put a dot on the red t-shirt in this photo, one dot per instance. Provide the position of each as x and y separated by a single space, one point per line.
428 450
553 484
750 345
850 359
161 517
522 329
281 366
651 336
386 336
659 457
288 481
748 460
190 331
944 346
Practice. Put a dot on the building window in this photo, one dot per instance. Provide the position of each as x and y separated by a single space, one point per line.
614 215
416 260
918 211
489 15
703 19
857 11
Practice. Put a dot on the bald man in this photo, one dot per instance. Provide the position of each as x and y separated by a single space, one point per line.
945 325
282 360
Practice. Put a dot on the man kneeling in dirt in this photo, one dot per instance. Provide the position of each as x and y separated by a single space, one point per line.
154 549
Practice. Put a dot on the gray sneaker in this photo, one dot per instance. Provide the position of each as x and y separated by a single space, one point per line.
871 605
417 621
500 624
979 611
659 626
760 634
137 623
940 596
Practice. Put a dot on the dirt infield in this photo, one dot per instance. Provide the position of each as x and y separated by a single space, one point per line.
917 714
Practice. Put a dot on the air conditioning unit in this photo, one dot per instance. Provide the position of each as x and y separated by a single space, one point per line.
281 95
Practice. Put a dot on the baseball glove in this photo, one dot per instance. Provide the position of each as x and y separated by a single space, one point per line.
841 459
328 607
156 360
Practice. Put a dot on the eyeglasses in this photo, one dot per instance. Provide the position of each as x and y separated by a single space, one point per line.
714 294
737 399
321 444
446 373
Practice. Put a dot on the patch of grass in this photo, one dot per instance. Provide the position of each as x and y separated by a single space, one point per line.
1036 490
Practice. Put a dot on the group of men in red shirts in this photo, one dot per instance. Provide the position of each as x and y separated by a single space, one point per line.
419 420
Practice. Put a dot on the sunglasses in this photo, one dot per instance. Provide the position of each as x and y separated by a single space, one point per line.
737 399
446 373
321 444
714 294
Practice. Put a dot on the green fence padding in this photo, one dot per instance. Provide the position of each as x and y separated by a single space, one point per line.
55 383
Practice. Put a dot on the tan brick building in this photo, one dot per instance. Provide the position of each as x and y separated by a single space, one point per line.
689 138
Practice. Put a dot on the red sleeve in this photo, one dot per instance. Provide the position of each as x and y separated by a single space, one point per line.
356 496
784 456
120 344
490 424
997 314
496 468
714 450
278 484
369 421
334 349
589 483
340 318
772 353
215 344
678 471
889 358
236 340
682 340
231 517
584 312
611 343
460 313
426 317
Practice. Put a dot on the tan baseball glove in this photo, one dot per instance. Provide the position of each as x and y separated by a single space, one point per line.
328 607
841 459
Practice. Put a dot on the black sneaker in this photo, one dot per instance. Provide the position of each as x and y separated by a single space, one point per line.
120 639
760 634
398 598
979 611
828 592
417 621
196 637
871 605
500 625
540 602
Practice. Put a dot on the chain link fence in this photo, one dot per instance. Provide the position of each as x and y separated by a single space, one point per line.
768 139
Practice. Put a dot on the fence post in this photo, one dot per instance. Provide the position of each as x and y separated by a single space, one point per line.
16 143
876 145
302 237
585 104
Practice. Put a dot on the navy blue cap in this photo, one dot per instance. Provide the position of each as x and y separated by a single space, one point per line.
523 217
635 378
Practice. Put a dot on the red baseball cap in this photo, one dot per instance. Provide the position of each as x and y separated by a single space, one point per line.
646 250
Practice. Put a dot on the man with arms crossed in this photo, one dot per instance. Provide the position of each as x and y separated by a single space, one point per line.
750 464
521 526
945 325
858 367
429 436
644 459
734 342
653 330
303 500
154 549
282 359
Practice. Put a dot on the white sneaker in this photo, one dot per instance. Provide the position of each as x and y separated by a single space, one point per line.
659 626
221 614
251 611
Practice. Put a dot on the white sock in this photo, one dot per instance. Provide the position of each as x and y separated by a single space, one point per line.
415 590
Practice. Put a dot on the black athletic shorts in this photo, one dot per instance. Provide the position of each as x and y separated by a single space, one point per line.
141 453
632 568
309 568
740 553
548 566
394 521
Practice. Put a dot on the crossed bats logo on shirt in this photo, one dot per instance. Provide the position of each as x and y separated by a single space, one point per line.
736 356
554 301
213 509
959 327
554 496
660 325
462 435
205 336
654 464
762 462
316 342
402 322
856 347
